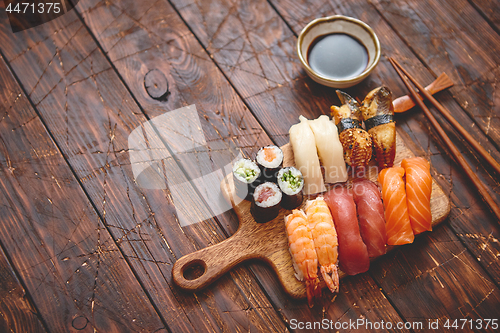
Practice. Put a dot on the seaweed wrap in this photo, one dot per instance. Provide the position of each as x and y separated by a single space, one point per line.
270 160
266 202
291 182
245 178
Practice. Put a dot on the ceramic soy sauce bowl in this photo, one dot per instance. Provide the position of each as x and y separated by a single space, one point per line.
339 25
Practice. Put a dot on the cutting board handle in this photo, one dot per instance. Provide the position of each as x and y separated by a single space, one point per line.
213 261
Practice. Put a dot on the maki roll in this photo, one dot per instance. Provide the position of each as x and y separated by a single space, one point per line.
291 182
270 160
266 202
245 174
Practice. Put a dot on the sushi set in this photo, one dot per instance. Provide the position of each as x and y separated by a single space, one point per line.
315 221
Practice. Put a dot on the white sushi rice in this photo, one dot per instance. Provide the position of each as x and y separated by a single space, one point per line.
270 164
285 186
272 200
242 166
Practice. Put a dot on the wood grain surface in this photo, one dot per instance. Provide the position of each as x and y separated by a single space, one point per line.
38 187
73 89
18 313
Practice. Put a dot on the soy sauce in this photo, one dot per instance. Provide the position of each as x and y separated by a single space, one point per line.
337 56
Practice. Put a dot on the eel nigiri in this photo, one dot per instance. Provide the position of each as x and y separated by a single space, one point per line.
304 258
353 255
325 240
357 143
397 220
418 193
378 112
306 157
330 149
371 216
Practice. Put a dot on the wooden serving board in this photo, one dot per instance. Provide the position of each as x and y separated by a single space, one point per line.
268 241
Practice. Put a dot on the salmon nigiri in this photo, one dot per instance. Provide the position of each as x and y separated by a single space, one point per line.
397 220
418 193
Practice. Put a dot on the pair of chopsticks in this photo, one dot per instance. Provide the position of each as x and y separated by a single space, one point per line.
453 149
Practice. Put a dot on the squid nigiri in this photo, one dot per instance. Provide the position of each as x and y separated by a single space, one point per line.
306 157
304 258
418 193
330 149
325 240
353 255
357 143
397 220
378 111
371 216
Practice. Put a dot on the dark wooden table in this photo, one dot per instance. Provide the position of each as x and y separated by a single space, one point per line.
85 249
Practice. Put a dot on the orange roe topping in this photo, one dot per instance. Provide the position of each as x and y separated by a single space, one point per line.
269 154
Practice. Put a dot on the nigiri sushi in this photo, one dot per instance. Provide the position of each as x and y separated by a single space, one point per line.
418 193
353 255
325 240
357 143
378 111
304 258
306 157
330 149
397 220
371 216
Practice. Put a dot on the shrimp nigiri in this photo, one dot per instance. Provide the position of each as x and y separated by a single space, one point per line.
304 258
325 240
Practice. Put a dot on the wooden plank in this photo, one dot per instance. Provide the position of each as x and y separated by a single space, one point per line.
256 51
70 265
490 10
91 114
434 271
18 313
277 104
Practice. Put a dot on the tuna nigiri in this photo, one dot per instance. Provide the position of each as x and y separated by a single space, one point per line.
418 193
396 209
371 216
353 255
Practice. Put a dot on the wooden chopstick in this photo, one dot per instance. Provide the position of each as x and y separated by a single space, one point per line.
453 149
494 164
405 103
